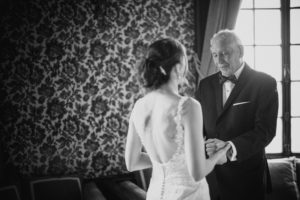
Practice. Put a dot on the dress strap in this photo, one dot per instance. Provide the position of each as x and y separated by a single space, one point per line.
180 104
179 138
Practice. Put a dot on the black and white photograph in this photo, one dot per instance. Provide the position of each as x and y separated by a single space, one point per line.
149 99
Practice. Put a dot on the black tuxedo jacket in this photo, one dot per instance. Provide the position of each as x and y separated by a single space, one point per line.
248 119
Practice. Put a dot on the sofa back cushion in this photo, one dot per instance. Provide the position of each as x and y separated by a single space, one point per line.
64 188
92 192
283 176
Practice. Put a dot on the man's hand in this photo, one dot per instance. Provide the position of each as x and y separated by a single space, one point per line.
213 146
222 160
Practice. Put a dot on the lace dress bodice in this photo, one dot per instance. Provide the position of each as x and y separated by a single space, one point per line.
171 179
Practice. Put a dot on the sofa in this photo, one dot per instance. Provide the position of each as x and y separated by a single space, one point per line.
14 186
285 176
49 188
120 187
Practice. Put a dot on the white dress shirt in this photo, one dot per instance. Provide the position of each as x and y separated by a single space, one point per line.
228 85
227 88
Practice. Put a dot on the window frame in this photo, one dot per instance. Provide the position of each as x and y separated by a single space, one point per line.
286 77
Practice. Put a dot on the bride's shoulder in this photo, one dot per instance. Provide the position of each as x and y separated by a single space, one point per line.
142 104
138 104
190 104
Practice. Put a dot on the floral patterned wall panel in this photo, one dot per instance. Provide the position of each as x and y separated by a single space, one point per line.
68 79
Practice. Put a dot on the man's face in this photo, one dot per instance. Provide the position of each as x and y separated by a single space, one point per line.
227 57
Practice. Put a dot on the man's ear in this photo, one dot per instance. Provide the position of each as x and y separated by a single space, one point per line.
241 49
179 70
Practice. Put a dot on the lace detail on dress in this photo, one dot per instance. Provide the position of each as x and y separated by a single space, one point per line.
179 136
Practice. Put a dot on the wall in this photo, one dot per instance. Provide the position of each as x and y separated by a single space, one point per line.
68 78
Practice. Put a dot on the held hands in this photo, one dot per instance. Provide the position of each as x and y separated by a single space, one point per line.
218 148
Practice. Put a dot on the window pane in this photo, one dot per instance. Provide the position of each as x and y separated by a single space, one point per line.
295 3
295 99
295 28
247 4
268 60
279 89
276 145
249 55
244 26
295 62
267 27
295 135
267 4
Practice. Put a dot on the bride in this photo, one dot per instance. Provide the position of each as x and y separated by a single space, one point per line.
169 126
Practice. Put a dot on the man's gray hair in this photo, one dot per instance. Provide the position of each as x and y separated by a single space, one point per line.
227 36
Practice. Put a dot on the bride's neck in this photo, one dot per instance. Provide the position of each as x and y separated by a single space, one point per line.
170 87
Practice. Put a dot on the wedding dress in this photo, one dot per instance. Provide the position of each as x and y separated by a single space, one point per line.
171 180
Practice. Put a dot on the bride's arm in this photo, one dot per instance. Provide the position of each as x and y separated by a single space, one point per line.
197 163
135 159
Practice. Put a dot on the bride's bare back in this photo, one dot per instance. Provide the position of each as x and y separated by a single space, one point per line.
154 117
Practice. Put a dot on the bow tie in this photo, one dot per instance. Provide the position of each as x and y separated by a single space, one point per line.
231 78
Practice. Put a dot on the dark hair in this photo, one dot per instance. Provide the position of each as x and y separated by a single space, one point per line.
162 56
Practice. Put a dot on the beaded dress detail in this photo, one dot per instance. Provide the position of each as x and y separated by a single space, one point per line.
171 180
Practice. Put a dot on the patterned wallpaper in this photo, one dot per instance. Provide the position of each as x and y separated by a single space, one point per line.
68 79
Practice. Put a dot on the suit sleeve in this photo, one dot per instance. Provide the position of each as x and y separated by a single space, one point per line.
198 96
198 93
254 141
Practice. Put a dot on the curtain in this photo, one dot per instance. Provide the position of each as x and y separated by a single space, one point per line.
222 14
201 11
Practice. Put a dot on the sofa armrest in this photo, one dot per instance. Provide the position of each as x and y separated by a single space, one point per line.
10 192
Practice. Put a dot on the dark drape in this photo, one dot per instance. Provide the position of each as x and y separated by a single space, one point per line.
221 15
201 11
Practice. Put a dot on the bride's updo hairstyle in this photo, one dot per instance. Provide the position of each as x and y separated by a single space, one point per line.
162 56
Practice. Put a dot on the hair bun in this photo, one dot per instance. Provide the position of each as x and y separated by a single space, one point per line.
162 56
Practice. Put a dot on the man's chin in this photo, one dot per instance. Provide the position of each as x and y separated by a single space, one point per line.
224 71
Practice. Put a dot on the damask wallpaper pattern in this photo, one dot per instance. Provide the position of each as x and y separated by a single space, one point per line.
68 79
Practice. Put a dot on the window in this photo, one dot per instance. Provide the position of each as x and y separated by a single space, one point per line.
271 34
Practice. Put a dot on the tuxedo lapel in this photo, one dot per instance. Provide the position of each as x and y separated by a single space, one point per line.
237 89
219 95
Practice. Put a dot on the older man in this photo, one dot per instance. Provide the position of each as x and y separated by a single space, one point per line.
240 107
